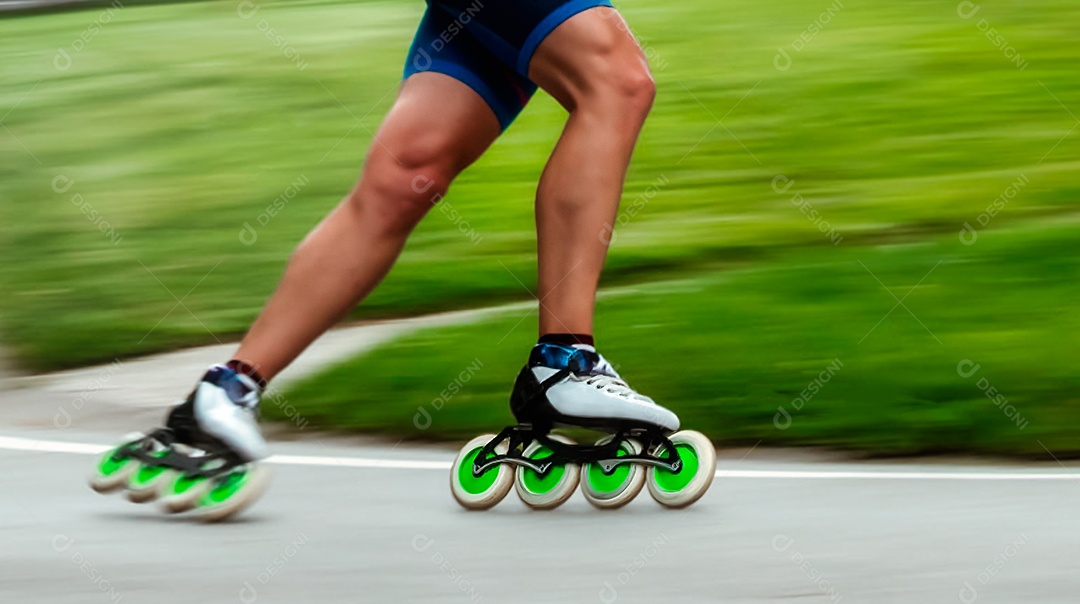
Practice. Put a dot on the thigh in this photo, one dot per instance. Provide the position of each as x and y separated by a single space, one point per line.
591 53
435 122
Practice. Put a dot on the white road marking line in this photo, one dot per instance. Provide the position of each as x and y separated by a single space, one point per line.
49 446
357 462
53 446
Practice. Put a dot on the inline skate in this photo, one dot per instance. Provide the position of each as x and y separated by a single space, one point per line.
205 458
574 386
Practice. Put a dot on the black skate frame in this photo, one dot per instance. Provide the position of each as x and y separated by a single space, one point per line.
190 467
605 455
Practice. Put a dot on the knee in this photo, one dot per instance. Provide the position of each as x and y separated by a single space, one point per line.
624 87
402 181
635 89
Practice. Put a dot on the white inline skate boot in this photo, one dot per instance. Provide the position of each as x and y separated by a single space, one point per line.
575 386
205 458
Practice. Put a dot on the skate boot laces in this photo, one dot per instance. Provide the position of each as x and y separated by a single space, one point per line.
604 377
612 385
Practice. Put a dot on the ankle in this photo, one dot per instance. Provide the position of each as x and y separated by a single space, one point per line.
567 339
245 368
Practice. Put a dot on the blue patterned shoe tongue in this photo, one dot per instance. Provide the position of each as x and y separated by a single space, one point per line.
239 388
577 360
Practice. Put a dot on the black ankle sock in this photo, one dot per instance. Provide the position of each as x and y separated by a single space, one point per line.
249 370
566 339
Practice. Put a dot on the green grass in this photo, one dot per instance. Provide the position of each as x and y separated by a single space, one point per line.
728 350
179 123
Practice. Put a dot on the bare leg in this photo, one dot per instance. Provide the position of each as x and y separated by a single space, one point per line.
597 71
437 127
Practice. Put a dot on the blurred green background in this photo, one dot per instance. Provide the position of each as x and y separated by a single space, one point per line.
806 166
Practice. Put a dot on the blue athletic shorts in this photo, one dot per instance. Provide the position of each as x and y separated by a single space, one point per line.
487 45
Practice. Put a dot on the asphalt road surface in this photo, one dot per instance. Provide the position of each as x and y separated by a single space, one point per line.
349 520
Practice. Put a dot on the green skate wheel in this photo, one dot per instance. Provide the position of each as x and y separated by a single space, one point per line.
680 489
183 492
484 491
113 470
551 490
610 491
228 494
148 481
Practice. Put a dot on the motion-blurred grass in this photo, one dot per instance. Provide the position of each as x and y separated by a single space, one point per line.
180 123
897 122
